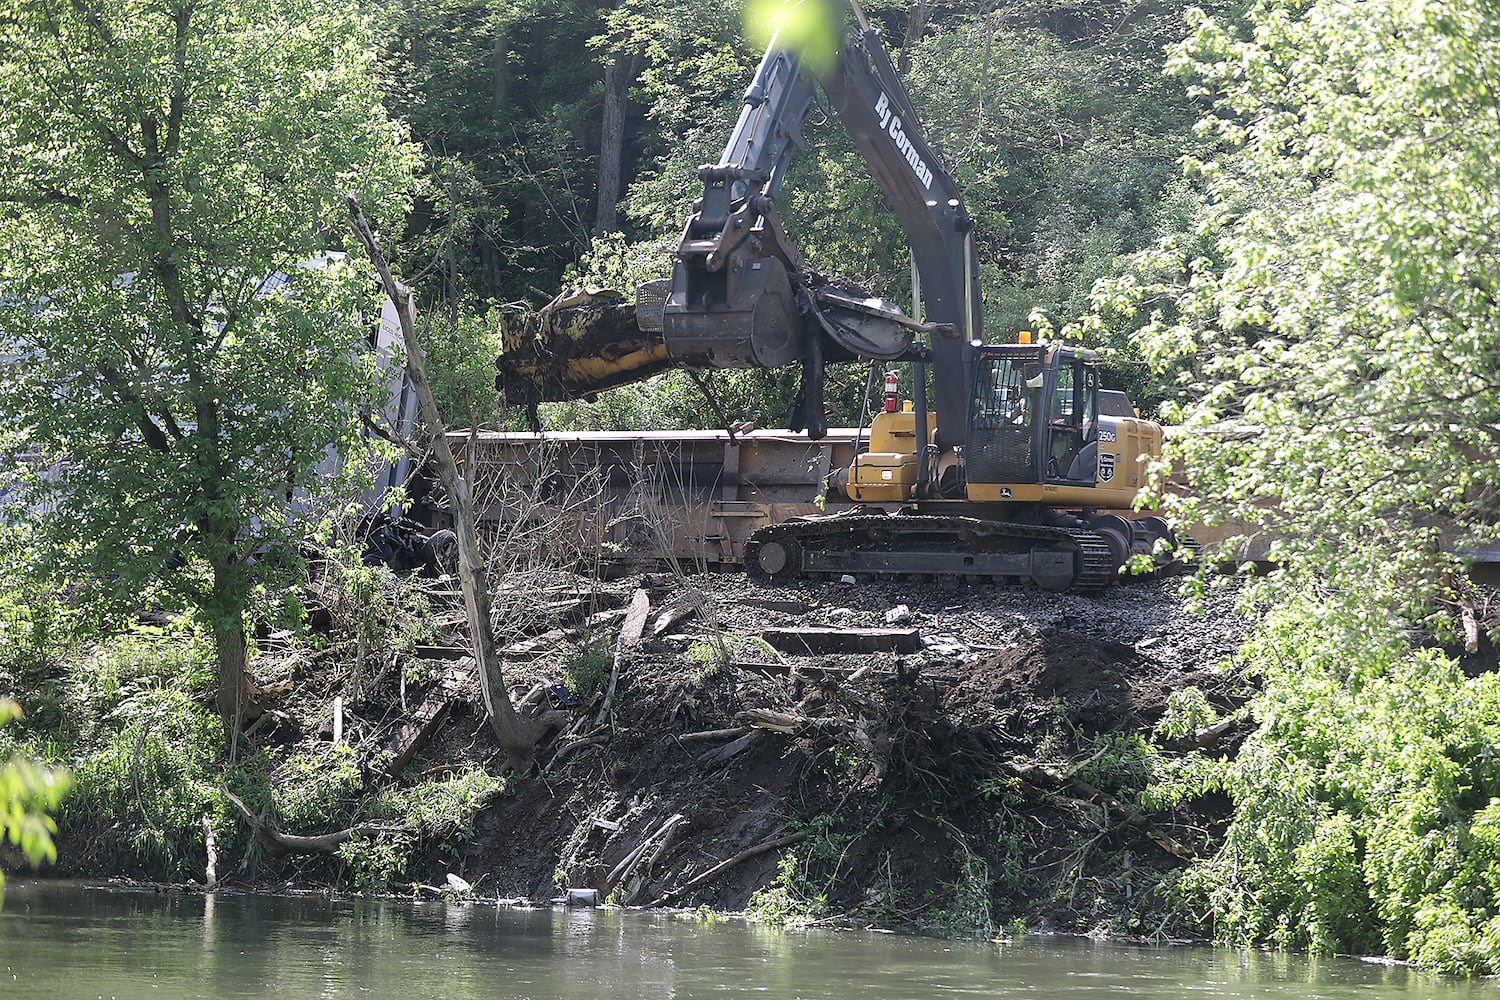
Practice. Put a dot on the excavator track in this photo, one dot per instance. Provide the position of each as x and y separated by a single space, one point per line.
902 546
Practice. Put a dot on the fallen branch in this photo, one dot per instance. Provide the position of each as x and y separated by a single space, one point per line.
273 717
635 879
574 745
278 844
780 722
1205 737
720 754
789 723
724 866
628 863
1046 778
713 734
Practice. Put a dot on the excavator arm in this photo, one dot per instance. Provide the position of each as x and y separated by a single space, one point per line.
741 296
870 100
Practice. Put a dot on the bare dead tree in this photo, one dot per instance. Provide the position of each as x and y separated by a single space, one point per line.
542 521
517 735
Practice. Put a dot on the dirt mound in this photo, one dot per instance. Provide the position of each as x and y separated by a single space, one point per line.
903 775
1021 688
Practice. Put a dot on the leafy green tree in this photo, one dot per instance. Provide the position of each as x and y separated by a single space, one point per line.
1331 317
28 793
167 169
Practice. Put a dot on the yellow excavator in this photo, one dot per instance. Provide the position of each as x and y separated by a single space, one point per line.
1016 467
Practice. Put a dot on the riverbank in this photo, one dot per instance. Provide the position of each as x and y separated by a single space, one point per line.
920 756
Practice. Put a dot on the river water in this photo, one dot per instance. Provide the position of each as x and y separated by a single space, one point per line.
60 940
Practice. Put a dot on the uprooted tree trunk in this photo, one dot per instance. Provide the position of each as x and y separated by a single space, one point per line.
517 735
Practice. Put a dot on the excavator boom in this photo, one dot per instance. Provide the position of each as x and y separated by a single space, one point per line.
741 296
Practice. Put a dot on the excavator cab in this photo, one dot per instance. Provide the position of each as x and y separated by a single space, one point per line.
1010 392
1036 432
1072 420
1035 416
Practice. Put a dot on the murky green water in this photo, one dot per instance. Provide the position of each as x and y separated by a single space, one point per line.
65 941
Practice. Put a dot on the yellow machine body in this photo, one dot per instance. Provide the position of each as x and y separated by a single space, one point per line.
1119 474
1038 415
887 471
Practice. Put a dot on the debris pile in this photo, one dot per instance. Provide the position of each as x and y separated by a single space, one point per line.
747 723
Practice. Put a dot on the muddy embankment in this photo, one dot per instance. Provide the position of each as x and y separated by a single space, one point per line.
921 755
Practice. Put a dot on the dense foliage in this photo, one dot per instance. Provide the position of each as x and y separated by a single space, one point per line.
1331 323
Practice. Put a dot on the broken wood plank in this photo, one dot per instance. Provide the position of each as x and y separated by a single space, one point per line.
416 735
630 634
843 640
536 648
424 723
635 619
813 671
605 617
671 617
435 652
719 755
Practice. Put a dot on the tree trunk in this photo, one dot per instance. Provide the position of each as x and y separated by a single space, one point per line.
450 253
502 68
618 74
225 607
517 735
991 23
916 23
229 650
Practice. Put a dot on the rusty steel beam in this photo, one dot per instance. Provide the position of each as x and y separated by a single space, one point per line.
642 497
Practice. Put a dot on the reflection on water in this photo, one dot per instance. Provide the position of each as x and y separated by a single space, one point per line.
61 940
